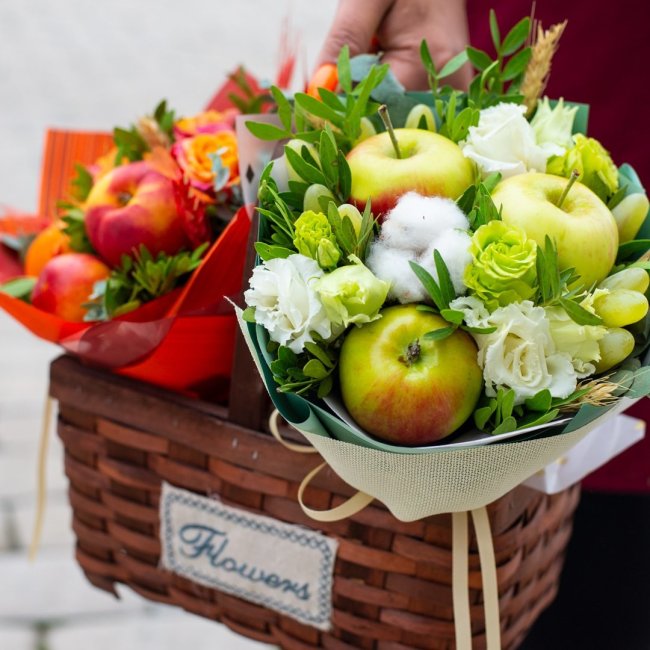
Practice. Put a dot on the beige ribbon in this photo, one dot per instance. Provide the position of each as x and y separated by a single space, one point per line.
41 479
460 551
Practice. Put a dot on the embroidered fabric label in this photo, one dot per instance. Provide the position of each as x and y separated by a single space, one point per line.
284 567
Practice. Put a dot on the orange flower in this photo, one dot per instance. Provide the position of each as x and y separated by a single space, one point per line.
206 122
195 157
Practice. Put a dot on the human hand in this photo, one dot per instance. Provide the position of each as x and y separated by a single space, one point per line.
400 26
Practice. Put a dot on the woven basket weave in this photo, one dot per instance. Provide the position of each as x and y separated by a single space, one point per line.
392 587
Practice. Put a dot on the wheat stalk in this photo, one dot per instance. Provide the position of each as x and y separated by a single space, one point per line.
600 392
151 133
539 67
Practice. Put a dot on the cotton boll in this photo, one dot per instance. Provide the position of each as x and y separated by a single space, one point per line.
453 246
392 265
418 220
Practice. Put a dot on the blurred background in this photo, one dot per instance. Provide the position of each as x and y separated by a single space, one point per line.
89 65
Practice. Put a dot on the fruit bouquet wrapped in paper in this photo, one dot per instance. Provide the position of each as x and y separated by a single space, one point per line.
147 235
451 285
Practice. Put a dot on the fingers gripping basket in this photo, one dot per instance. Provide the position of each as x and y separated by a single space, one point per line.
392 580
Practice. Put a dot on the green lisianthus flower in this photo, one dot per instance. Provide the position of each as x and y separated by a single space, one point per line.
580 342
314 238
352 294
554 125
503 268
597 170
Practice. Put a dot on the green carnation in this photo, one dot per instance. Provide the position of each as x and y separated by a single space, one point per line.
593 162
503 265
352 294
315 239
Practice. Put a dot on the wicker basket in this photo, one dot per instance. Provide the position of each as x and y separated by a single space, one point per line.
392 587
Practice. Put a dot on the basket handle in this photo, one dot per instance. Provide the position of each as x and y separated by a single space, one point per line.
249 403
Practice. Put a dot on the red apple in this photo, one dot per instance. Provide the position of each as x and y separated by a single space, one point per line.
404 388
133 205
66 283
583 228
431 165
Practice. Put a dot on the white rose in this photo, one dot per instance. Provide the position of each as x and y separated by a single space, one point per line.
285 302
520 354
504 141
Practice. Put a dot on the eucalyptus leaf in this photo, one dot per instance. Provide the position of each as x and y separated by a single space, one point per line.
540 401
440 334
516 37
453 316
267 131
20 288
315 369
479 59
453 65
579 314
509 424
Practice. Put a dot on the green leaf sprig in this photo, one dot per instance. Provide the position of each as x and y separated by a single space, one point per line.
442 293
141 278
310 372
555 286
308 116
476 202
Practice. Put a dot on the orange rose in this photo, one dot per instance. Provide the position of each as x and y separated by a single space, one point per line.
195 157
207 122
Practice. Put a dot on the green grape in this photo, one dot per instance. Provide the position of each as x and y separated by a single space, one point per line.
352 212
621 307
418 112
615 346
314 193
635 279
630 214
367 130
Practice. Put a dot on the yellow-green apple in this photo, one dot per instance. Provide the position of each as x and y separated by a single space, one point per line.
133 205
66 283
430 164
583 228
403 387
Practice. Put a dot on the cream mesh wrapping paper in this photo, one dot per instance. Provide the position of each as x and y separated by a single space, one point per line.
421 485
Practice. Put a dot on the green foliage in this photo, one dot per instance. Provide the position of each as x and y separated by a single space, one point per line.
309 116
20 288
131 145
555 286
476 202
499 414
82 183
247 100
75 227
496 80
140 279
306 373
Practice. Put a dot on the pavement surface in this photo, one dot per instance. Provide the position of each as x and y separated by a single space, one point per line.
86 65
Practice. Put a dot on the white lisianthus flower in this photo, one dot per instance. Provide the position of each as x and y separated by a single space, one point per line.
553 126
504 141
286 303
520 354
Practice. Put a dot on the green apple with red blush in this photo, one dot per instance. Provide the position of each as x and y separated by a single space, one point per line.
387 165
404 387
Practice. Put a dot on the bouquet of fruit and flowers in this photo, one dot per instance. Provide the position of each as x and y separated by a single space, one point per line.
473 277
132 270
